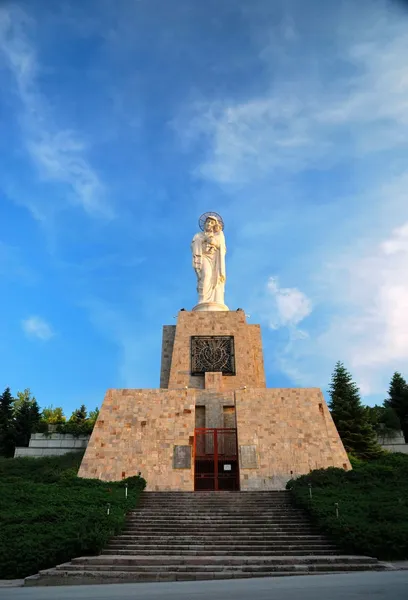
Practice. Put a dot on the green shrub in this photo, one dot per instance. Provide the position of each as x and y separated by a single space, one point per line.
76 428
372 501
48 515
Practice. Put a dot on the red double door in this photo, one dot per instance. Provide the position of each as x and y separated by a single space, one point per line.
216 460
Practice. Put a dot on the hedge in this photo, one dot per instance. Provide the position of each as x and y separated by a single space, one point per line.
372 504
48 515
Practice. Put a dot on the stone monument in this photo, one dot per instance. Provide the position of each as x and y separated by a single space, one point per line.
213 424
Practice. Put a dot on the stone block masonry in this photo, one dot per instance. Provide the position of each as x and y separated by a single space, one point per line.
287 432
136 431
280 432
247 342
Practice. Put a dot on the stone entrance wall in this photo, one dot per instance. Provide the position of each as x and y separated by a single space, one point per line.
152 431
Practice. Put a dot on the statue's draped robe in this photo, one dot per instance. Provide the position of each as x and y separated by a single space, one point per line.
212 255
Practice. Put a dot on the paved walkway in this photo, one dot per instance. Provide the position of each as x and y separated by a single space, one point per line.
353 586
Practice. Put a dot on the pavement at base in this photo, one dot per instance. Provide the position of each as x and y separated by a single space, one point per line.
390 585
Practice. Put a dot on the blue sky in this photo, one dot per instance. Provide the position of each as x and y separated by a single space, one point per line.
121 121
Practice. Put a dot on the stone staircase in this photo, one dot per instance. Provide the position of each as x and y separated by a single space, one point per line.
209 535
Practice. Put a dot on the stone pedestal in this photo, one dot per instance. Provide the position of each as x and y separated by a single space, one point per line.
213 306
281 432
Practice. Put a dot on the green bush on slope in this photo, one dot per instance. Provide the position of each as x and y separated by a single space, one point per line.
48 515
372 501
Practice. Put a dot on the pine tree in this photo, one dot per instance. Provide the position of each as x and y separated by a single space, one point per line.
7 430
93 416
79 415
384 421
27 416
398 400
350 417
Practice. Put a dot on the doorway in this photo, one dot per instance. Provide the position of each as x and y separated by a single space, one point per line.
216 460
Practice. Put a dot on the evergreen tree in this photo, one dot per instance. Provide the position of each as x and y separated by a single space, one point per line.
384 421
350 417
93 416
27 416
7 431
398 400
79 415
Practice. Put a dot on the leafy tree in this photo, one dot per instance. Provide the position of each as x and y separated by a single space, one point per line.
52 415
350 416
79 415
398 400
7 430
27 416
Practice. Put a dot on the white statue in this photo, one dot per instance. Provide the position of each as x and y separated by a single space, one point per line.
208 248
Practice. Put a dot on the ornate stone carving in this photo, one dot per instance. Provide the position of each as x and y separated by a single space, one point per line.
212 354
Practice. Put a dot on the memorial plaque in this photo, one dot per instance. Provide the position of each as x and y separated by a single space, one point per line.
248 456
182 457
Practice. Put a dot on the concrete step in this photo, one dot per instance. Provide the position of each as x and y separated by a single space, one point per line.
216 515
232 500
225 569
215 552
220 530
217 511
218 495
218 520
208 536
225 559
128 544
260 514
176 536
139 547
86 577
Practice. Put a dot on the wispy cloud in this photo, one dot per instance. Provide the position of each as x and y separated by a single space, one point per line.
354 103
60 155
339 104
372 329
37 327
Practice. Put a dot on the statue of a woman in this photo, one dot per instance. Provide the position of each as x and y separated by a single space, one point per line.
208 248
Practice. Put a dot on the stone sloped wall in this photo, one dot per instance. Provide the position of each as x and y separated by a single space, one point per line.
136 431
285 432
54 444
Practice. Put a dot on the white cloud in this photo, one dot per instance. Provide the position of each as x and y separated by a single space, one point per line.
375 334
287 306
338 101
365 292
352 103
59 155
37 327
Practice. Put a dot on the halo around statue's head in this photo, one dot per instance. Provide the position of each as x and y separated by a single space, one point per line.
214 215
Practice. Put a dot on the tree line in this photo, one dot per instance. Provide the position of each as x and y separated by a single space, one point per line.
21 416
360 426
